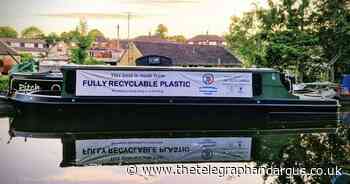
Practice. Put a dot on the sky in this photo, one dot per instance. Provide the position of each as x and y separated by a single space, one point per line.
182 17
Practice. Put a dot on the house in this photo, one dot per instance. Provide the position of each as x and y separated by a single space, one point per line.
108 51
57 55
207 40
8 57
181 54
36 47
59 52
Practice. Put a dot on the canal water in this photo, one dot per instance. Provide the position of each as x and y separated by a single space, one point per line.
39 160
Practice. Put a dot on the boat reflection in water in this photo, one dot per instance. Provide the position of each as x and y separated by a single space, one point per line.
103 145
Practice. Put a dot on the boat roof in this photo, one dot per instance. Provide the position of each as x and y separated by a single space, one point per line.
163 68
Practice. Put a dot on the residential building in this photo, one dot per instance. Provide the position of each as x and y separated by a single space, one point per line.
59 52
207 40
181 54
8 57
36 47
108 51
57 55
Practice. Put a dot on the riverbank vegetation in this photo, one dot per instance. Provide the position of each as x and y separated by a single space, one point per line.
309 38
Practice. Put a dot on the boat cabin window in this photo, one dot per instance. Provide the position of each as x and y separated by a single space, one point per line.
154 60
69 85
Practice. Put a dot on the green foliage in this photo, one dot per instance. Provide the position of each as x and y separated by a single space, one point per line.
52 38
78 55
332 22
68 37
33 33
95 33
161 31
83 42
243 41
8 32
303 36
4 82
25 57
92 61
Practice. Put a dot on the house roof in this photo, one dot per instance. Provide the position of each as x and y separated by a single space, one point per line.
206 37
6 50
23 49
23 40
184 54
100 39
123 44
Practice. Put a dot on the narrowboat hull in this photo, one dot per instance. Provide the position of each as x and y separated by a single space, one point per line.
150 100
159 114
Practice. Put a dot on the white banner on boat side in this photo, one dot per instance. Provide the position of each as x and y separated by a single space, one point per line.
162 150
163 83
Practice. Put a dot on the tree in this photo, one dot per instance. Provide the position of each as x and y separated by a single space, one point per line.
290 36
82 41
52 39
68 37
95 33
8 32
281 36
333 30
244 41
92 61
32 32
26 57
161 31
82 28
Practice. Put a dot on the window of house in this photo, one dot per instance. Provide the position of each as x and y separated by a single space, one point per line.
36 45
22 44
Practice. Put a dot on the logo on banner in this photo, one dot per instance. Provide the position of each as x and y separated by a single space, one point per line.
207 154
208 78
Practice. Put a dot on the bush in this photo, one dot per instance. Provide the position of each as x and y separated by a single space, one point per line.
4 82
92 61
25 57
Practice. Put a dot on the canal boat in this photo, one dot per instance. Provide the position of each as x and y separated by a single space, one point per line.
148 99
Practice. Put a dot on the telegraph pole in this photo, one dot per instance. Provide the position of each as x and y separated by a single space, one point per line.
129 16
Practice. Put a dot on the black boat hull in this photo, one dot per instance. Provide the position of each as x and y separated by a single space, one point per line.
142 115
